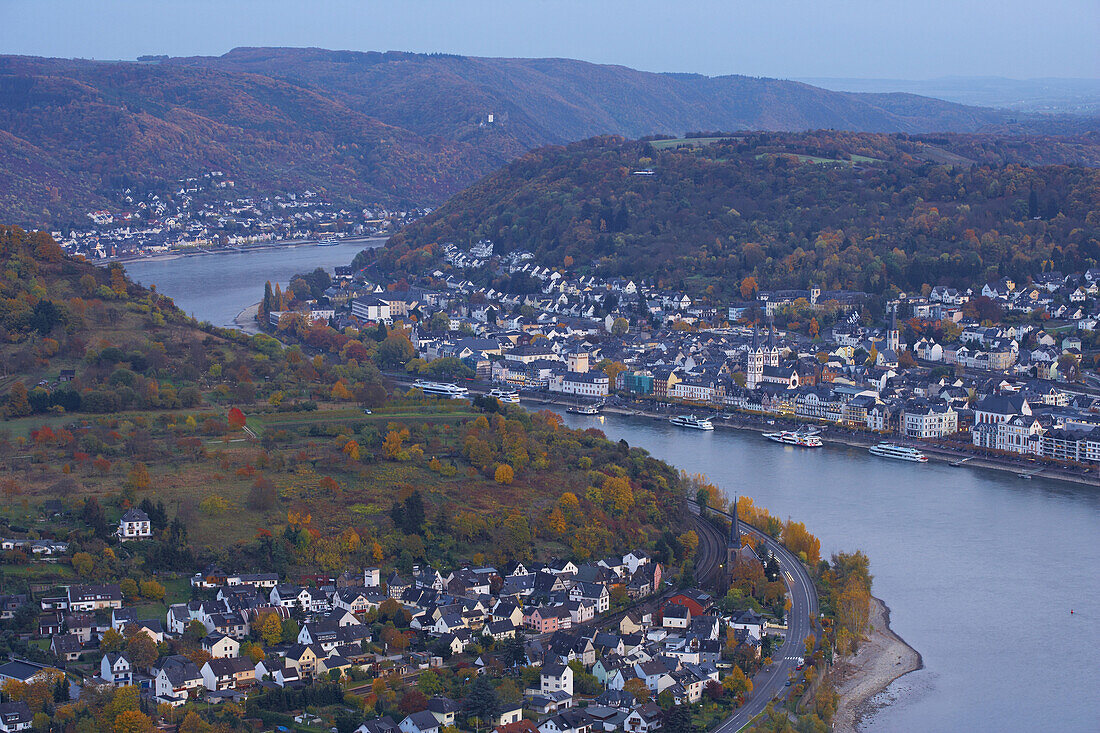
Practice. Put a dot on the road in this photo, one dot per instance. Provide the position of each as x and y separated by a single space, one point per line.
768 682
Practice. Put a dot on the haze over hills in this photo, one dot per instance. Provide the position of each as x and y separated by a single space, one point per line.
377 127
1074 96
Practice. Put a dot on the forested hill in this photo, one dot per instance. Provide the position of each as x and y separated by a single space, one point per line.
363 128
842 210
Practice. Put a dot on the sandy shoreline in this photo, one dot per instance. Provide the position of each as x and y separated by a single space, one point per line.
882 658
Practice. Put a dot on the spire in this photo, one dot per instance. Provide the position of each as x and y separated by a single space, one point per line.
894 318
735 529
771 334
755 338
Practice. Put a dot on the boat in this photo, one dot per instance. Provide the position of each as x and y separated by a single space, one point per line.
900 452
441 389
505 395
690 421
328 242
583 410
798 438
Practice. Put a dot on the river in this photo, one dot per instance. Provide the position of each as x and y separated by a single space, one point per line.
216 287
980 568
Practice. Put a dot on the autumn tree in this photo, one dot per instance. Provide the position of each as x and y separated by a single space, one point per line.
262 494
18 402
637 688
142 650
748 288
236 418
138 478
504 474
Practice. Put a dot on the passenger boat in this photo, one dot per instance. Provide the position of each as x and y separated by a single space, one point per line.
505 395
583 409
795 437
900 452
690 421
442 389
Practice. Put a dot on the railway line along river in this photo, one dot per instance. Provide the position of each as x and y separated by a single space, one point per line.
980 568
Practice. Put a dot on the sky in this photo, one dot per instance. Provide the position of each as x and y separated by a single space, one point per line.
901 39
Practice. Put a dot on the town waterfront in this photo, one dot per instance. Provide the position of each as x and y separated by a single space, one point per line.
216 287
980 569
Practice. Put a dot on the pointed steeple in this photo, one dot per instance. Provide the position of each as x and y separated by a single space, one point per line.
755 337
771 334
735 529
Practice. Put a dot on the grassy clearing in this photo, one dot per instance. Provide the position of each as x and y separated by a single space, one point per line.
688 142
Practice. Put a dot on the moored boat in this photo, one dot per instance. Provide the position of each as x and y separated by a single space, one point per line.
898 452
583 410
690 421
794 437
505 395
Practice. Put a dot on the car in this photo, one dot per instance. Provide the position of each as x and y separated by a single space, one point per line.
366 411
787 683
800 666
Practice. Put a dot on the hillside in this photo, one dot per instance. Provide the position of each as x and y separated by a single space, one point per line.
843 210
375 127
239 438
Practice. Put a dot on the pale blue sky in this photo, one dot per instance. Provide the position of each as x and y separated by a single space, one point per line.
912 39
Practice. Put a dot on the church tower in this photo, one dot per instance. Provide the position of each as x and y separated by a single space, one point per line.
893 338
754 364
771 355
733 546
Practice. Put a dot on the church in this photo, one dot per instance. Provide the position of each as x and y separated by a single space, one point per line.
736 553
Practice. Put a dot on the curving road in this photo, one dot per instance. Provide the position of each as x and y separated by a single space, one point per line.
770 681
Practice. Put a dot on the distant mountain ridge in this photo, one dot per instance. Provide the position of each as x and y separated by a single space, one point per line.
379 127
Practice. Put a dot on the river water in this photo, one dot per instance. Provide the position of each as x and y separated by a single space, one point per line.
216 287
980 568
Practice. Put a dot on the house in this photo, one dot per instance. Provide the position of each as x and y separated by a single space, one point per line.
555 676
220 646
134 525
676 616
66 647
175 678
695 600
510 714
327 666
116 669
444 709
304 658
94 597
384 724
521 725
227 674
422 722
277 671
568 721
15 716
644 719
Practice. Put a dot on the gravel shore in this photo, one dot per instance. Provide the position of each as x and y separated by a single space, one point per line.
882 658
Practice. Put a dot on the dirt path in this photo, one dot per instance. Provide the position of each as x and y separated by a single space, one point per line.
882 658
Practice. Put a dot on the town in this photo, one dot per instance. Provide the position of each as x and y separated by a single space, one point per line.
1005 371
200 214
568 647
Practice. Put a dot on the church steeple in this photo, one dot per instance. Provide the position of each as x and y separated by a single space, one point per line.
735 529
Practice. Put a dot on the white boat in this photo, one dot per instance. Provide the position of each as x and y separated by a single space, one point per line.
900 452
690 421
327 242
794 437
442 389
583 410
505 395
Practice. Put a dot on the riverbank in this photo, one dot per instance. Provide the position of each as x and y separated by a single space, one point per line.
882 658
229 250
850 439
246 320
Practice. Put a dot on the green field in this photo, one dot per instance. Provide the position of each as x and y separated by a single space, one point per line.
688 142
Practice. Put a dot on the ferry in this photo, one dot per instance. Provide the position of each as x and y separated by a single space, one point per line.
442 389
327 242
794 437
505 395
583 410
690 421
900 452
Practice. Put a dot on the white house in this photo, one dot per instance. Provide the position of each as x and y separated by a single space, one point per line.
422 722
554 677
220 646
116 669
134 525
